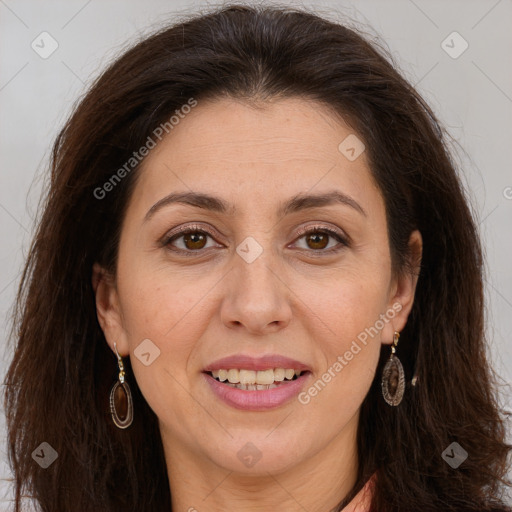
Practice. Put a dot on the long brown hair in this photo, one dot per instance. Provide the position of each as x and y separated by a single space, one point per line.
58 384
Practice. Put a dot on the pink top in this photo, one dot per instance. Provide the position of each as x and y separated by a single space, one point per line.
361 501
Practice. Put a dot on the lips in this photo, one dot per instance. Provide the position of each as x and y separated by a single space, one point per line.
247 362
257 397
277 395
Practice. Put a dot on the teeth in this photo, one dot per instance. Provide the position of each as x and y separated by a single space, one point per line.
252 387
233 376
265 376
252 377
247 377
279 374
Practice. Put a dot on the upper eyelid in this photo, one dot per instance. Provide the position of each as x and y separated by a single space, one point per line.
192 227
199 227
312 227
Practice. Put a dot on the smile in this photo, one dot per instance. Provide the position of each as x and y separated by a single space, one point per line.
251 380
256 390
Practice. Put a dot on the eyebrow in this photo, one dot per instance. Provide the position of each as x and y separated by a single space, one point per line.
294 204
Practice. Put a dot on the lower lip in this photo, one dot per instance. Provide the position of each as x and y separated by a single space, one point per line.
257 400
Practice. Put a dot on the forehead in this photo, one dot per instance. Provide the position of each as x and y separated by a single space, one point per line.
283 129
254 153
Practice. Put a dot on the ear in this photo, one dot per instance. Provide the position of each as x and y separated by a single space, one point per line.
403 289
108 309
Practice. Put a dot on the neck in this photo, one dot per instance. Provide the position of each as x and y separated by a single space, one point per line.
314 482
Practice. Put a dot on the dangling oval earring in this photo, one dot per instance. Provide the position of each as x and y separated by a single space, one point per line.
393 381
121 403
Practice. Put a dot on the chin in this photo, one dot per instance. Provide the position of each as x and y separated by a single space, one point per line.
258 456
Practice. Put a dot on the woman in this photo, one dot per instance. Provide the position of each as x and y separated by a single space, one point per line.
256 285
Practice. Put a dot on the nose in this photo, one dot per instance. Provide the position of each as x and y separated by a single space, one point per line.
257 298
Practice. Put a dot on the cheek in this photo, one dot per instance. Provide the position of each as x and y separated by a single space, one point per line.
167 315
157 300
347 302
339 391
153 308
349 354
162 308
350 318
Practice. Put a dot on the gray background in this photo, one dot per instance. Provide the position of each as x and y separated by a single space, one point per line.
472 96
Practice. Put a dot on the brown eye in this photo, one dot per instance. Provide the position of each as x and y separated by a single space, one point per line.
188 240
317 240
195 240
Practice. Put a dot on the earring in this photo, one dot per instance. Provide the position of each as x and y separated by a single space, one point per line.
121 403
393 381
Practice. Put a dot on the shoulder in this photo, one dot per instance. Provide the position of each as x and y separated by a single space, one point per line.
362 500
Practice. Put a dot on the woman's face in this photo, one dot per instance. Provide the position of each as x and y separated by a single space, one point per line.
247 282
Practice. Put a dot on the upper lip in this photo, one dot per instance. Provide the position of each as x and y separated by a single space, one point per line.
246 362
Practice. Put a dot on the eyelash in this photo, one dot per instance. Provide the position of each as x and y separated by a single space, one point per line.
302 233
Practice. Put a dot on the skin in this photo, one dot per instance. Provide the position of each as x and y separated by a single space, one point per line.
295 299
